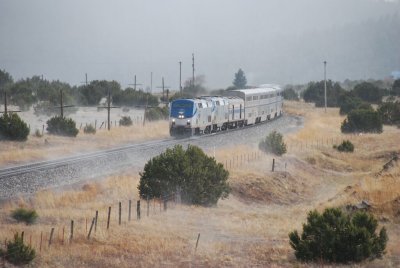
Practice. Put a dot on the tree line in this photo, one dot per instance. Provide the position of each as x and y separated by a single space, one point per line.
43 94
356 99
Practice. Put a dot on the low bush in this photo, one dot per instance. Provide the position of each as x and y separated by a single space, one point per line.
28 216
89 129
338 238
345 146
17 252
58 125
12 127
362 121
125 121
38 134
273 143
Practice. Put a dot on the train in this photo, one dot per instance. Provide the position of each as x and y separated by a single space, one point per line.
235 109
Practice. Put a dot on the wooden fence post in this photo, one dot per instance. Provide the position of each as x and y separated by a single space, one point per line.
148 206
197 242
62 241
129 210
138 209
108 218
72 231
273 164
119 213
91 227
95 221
51 236
41 240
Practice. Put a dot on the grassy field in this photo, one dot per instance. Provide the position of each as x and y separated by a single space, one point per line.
250 228
51 146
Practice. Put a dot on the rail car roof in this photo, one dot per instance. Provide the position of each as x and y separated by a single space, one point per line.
258 90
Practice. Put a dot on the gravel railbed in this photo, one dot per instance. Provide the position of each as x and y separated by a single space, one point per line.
116 162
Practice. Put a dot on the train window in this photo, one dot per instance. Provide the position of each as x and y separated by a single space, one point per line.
209 118
200 105
248 98
255 97
217 103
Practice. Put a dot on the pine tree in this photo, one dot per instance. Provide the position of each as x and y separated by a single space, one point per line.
240 80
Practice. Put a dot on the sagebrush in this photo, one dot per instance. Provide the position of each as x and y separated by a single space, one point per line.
28 216
125 121
62 126
273 143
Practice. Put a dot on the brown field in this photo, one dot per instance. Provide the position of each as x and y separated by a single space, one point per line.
250 228
51 146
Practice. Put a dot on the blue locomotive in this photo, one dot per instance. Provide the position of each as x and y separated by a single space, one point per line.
238 108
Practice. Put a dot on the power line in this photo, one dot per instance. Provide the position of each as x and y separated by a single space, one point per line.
135 84
108 107
163 89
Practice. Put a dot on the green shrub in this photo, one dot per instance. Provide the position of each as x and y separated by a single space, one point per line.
273 143
390 113
13 128
338 238
198 177
290 94
38 134
125 121
362 121
58 125
157 113
17 252
25 215
348 103
345 146
89 129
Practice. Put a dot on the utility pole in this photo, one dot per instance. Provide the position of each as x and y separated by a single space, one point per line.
86 81
62 106
151 82
193 70
180 77
135 84
108 107
163 90
5 105
325 83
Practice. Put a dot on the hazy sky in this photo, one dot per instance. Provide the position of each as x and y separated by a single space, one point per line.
115 40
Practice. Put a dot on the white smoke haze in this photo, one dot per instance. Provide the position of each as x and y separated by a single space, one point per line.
272 41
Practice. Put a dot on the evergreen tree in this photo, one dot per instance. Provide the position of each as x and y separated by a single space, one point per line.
198 177
240 80
12 127
338 238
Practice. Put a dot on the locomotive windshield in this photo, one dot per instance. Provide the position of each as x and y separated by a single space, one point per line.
182 107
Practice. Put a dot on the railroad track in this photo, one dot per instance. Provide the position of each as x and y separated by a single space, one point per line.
60 162
51 164
29 178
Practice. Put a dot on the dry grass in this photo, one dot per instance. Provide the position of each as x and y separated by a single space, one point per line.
50 146
250 228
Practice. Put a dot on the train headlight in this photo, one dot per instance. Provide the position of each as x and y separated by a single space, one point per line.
173 120
188 123
181 116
